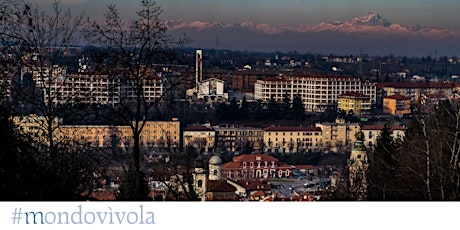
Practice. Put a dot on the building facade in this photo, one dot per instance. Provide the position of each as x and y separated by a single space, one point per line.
235 138
250 166
201 137
358 103
291 139
397 105
318 92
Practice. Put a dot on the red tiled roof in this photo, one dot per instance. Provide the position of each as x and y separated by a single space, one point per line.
416 85
305 167
198 128
254 184
380 127
398 97
258 194
231 165
253 157
354 94
219 186
293 128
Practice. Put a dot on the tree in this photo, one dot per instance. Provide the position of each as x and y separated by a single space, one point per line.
382 167
34 42
134 52
429 168
297 108
245 111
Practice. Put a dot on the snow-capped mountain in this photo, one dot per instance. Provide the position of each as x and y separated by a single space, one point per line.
371 31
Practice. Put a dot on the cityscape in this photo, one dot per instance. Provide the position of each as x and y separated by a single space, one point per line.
199 109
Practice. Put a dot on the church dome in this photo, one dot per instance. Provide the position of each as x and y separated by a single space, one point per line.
215 160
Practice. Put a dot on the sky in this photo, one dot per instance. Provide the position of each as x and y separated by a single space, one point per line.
439 13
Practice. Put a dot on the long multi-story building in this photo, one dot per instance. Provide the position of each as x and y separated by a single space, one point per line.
291 139
58 87
154 136
234 138
318 92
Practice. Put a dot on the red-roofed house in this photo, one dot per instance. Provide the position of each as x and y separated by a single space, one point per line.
359 103
256 166
397 104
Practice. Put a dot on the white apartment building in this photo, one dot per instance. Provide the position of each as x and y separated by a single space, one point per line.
318 92
91 88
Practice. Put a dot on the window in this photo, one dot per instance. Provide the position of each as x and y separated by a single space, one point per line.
280 173
273 164
200 184
229 174
244 164
287 173
214 172
265 164
258 164
252 164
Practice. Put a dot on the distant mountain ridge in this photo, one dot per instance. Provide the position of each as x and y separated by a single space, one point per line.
362 30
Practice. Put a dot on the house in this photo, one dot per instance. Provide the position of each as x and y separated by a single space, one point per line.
200 137
250 166
357 103
397 104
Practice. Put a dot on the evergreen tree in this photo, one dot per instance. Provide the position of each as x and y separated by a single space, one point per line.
273 109
221 112
244 109
297 108
382 169
286 109
233 111
128 188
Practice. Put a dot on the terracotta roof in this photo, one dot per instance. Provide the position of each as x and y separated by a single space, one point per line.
198 128
380 127
354 94
259 193
398 97
231 165
436 95
293 128
305 167
416 85
255 184
253 157
103 195
219 186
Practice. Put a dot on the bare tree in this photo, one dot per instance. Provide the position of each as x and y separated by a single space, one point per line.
33 42
134 52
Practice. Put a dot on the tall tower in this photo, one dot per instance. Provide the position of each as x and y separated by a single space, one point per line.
199 68
215 168
357 166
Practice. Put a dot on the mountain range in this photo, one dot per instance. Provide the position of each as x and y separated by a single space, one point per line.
370 34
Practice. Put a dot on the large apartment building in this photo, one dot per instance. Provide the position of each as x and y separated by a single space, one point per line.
291 139
59 87
318 92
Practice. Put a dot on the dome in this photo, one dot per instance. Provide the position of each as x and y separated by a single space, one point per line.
215 160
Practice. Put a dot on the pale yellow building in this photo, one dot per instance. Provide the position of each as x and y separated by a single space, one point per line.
337 136
358 103
291 139
36 126
155 134
201 137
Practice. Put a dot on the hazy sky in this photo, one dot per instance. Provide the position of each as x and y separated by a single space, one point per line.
441 13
